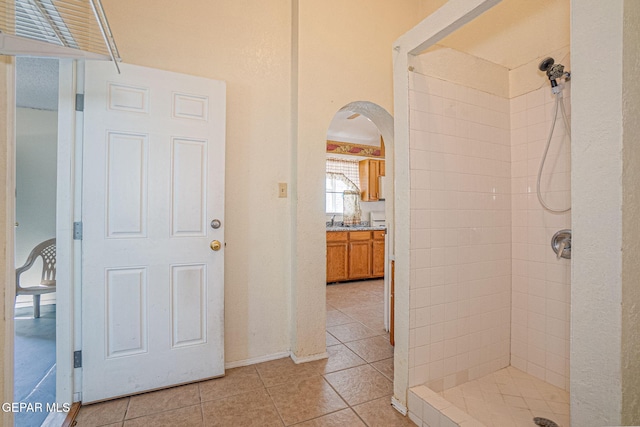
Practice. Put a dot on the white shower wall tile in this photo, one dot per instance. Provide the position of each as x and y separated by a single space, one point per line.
463 330
491 288
540 282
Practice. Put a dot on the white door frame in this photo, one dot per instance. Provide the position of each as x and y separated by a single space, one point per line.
67 211
451 16
64 236
10 211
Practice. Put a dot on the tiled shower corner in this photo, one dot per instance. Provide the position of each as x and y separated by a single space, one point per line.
506 398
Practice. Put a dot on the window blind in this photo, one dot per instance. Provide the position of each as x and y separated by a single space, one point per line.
74 25
347 167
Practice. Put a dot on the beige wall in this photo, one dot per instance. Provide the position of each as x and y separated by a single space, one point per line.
274 266
604 156
514 31
247 44
6 222
344 56
630 212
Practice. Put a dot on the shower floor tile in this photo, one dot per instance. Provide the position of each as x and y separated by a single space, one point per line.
510 397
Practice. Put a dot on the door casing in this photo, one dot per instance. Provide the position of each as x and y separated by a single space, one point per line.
65 251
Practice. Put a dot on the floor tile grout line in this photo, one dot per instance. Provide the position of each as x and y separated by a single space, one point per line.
366 362
126 410
201 405
260 375
276 407
343 399
202 413
162 411
323 415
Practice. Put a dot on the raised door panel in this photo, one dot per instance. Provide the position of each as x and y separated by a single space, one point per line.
188 187
188 305
378 258
378 235
337 261
363 172
126 190
374 173
359 259
126 311
359 235
369 171
337 236
392 307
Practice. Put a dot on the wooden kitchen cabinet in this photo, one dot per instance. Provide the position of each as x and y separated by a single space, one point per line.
360 254
377 268
353 255
337 256
370 171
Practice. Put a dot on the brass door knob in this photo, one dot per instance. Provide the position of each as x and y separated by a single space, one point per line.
215 245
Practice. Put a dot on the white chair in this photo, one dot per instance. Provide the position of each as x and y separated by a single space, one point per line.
46 250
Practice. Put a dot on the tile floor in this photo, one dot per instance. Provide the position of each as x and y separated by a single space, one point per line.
35 361
510 397
353 387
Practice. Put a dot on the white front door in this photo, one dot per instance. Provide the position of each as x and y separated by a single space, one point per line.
153 182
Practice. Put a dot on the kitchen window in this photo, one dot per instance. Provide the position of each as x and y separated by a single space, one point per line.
342 175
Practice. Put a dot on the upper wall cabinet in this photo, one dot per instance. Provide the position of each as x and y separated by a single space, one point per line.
370 172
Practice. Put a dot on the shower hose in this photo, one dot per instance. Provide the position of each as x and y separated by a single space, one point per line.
559 102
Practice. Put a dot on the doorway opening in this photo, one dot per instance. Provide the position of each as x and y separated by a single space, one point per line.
359 218
36 118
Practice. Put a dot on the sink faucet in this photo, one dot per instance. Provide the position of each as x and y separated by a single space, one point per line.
333 220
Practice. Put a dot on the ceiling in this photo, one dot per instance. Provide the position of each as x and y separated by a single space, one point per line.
515 32
37 83
511 34
359 130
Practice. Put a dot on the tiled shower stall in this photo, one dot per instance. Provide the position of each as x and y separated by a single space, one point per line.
486 289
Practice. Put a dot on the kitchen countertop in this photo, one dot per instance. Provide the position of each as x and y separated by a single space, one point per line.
356 228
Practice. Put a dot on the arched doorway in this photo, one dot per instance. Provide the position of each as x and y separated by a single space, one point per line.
360 139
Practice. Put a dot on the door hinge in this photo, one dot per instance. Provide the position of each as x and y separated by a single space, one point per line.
79 101
77 359
77 230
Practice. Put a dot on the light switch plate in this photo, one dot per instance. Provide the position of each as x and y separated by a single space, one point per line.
282 190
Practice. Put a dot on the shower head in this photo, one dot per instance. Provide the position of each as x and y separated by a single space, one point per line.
554 71
546 64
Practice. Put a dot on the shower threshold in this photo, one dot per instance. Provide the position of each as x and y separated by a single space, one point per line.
505 398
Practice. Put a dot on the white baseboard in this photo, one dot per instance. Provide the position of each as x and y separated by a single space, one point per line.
398 406
269 357
254 360
298 360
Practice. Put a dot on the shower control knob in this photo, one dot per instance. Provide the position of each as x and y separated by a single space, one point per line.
561 244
